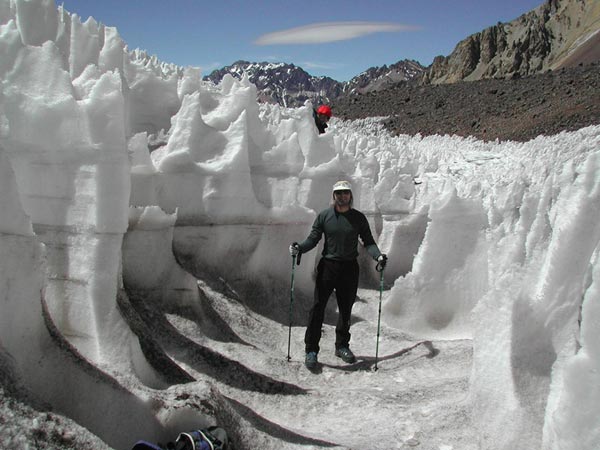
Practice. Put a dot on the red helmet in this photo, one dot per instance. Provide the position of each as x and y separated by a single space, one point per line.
324 109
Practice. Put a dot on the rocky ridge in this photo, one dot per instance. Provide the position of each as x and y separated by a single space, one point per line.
518 109
377 78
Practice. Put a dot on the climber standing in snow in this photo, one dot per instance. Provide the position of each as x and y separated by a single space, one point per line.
337 270
322 115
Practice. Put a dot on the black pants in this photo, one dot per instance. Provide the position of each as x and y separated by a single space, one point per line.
341 276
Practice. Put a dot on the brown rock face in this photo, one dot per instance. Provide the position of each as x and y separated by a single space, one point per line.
559 33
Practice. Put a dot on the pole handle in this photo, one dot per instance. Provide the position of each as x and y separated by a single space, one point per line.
298 256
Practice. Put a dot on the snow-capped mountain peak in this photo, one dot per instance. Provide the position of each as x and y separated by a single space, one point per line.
290 85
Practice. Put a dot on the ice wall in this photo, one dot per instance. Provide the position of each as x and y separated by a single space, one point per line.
65 175
35 361
543 239
71 165
507 258
22 279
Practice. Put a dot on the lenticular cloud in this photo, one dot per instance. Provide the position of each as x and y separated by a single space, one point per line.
319 33
145 221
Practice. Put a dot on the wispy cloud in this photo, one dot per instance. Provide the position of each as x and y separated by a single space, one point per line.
319 33
211 66
316 65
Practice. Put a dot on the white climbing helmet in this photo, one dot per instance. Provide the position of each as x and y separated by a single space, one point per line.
342 186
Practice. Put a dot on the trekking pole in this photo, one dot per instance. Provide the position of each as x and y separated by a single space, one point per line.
291 302
380 267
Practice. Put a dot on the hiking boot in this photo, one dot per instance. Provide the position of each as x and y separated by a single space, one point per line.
311 360
346 354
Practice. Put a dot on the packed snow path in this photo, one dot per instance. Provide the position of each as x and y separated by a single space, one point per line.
416 398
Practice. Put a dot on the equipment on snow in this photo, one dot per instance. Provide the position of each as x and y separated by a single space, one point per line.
211 438
380 268
295 261
145 445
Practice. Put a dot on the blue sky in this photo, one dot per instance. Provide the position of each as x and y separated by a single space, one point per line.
334 38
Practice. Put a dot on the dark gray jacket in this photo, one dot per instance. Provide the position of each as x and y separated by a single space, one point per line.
341 231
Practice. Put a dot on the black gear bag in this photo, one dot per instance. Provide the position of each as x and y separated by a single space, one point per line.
211 438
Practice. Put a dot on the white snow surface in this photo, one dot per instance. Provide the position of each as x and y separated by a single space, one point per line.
145 279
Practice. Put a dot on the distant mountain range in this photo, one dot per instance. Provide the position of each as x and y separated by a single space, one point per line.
290 85
558 33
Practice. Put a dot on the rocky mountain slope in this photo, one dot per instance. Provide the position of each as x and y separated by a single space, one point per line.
559 33
518 109
377 78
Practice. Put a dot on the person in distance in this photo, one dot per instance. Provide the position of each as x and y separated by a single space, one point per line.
322 115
